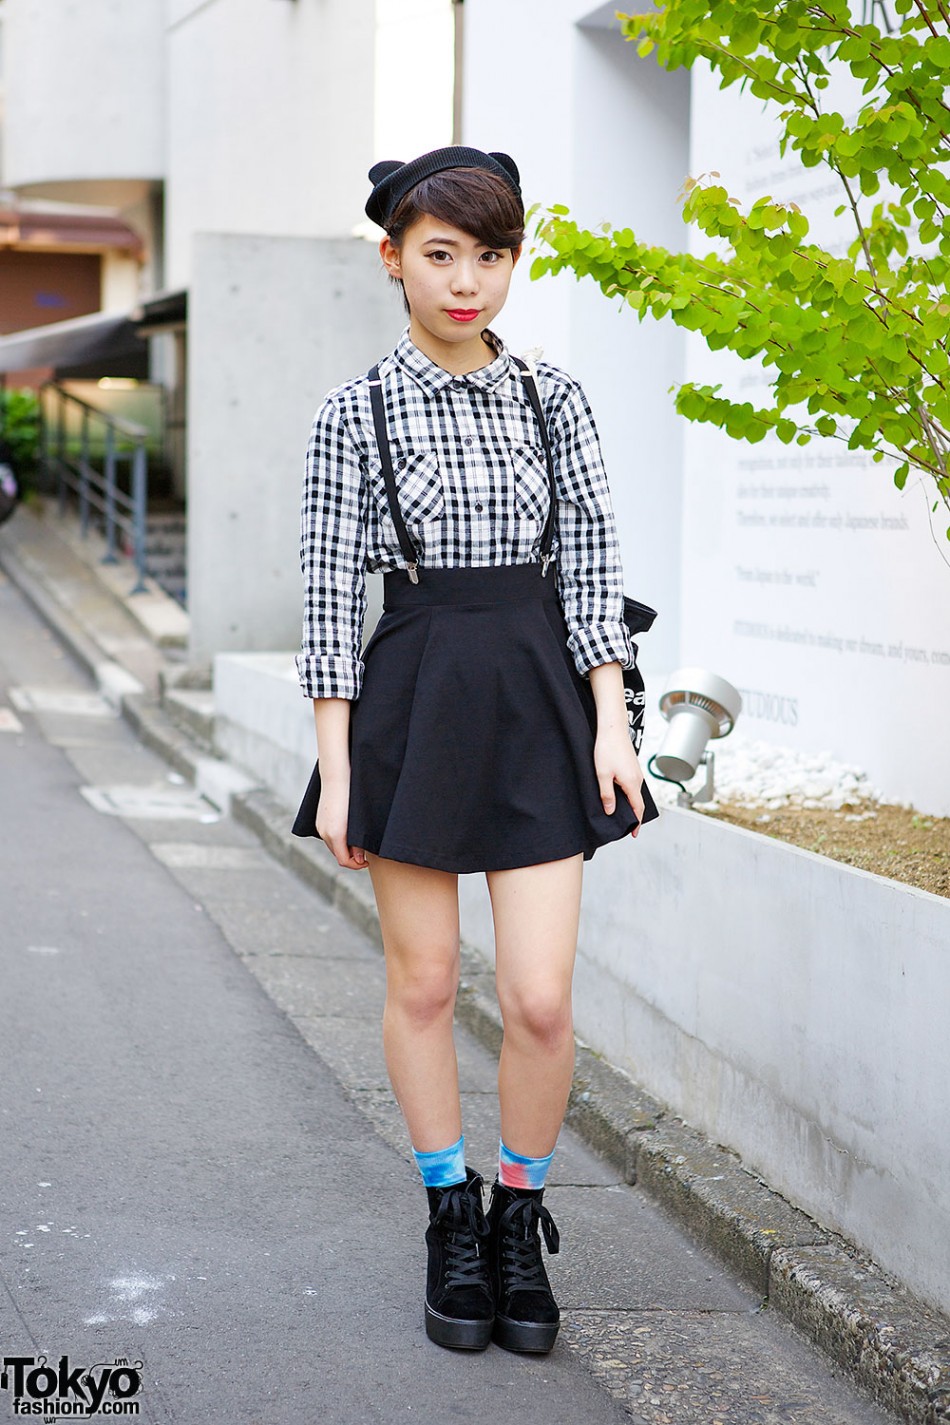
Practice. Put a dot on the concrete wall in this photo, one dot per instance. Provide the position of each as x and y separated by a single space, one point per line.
273 324
84 95
415 54
614 147
263 723
811 1039
270 119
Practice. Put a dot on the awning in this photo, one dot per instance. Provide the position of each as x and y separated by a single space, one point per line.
165 311
50 227
101 344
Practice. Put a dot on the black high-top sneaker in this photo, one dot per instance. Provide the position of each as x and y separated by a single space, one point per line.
526 1314
460 1308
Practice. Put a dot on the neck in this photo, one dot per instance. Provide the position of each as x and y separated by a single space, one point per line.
458 357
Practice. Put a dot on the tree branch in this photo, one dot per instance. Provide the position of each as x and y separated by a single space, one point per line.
930 23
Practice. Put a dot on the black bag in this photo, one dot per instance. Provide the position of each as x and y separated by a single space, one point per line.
638 617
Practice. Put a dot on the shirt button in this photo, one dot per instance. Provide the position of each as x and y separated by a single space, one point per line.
479 506
469 440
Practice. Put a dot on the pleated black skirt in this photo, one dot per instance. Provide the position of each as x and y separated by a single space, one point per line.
472 741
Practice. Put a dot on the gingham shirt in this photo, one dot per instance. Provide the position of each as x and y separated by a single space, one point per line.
473 491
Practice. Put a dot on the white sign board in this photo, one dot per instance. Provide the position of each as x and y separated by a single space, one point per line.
809 580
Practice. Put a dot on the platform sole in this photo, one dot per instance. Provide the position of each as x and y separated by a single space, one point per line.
457 1335
531 1337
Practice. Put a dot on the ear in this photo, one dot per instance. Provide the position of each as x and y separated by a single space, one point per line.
389 254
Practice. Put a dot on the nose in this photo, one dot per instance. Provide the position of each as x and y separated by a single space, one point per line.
465 276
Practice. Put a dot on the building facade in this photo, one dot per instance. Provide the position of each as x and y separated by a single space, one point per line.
234 138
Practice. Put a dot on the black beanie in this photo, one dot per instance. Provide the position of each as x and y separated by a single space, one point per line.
392 180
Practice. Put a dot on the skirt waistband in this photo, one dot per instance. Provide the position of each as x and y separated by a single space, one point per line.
491 584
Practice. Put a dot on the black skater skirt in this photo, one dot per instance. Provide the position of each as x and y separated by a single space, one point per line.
472 742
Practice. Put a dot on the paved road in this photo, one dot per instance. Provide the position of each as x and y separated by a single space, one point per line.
201 1165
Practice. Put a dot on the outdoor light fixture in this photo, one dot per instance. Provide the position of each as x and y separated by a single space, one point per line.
698 705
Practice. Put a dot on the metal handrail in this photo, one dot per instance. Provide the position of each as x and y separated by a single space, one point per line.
99 489
129 428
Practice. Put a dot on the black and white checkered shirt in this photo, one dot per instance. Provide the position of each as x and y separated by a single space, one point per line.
473 490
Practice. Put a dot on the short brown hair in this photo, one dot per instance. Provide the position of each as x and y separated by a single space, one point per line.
472 199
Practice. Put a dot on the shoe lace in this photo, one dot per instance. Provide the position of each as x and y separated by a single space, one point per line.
520 1247
465 1231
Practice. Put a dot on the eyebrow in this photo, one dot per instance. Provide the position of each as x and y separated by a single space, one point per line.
453 242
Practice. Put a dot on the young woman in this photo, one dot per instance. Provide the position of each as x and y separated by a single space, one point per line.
484 727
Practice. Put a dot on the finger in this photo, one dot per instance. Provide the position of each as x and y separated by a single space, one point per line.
338 847
351 858
634 795
607 794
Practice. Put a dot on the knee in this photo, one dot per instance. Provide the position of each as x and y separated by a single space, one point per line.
541 1013
424 994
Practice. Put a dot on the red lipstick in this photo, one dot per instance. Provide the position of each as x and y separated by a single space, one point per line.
463 314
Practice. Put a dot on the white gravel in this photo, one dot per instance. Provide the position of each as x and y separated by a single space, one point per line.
761 774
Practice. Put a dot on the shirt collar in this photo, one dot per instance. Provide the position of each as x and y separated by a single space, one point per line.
433 378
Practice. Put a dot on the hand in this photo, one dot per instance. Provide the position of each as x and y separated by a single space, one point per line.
332 815
616 763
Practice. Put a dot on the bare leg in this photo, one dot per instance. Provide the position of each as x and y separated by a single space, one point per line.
536 911
419 916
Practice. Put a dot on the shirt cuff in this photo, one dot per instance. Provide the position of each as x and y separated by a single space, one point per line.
603 643
329 677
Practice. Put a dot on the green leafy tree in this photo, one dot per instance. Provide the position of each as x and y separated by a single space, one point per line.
853 347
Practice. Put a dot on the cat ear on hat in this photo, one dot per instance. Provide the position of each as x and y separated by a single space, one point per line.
383 169
508 164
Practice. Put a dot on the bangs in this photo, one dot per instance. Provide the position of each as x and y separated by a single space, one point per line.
471 199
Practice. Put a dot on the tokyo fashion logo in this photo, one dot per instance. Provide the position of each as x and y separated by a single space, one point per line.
57 1392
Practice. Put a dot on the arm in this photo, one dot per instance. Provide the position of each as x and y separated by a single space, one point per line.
591 583
332 560
614 758
332 718
590 577
332 557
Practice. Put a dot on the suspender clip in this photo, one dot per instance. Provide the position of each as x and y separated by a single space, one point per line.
413 571
545 561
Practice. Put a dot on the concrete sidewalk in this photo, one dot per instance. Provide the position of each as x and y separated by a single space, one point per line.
896 1347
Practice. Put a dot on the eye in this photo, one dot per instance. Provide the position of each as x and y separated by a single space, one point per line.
440 255
491 257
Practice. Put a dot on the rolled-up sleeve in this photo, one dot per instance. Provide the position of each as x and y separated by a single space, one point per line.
589 568
332 560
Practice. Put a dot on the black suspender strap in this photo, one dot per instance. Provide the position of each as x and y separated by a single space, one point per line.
389 478
386 460
531 386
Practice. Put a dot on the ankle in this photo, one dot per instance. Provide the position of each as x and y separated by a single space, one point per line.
522 1173
445 1167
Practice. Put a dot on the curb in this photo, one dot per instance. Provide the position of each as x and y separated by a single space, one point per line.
894 1345
78 640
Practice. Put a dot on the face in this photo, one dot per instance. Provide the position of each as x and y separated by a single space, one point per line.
455 285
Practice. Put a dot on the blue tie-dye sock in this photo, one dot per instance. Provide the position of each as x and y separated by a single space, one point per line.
517 1171
444 1167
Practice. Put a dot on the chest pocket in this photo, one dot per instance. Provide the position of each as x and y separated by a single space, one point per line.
419 486
532 492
